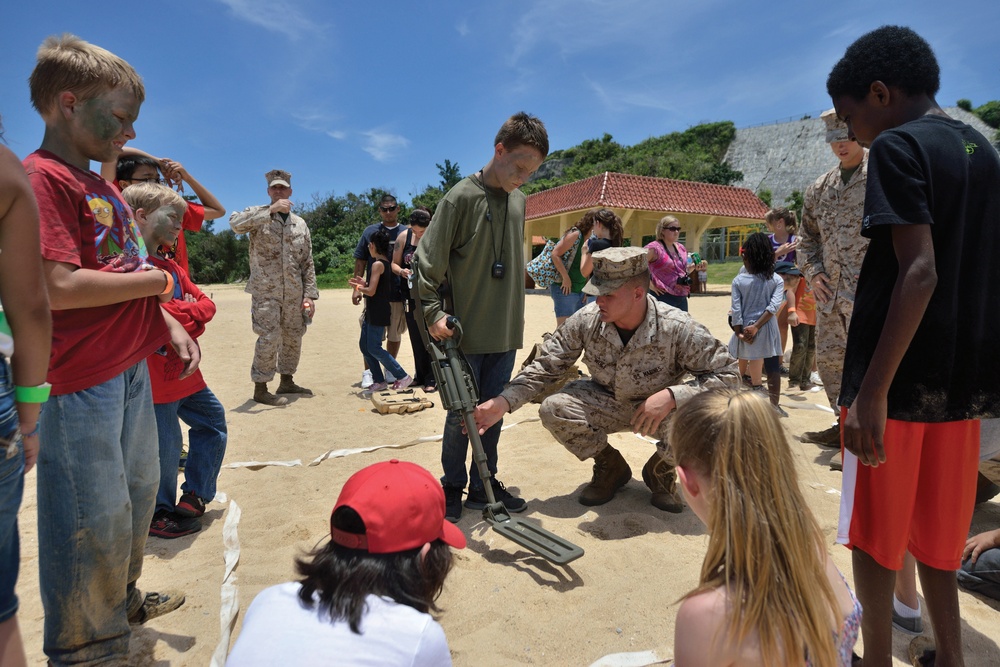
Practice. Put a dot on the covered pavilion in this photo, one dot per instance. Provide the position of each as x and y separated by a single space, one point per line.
640 201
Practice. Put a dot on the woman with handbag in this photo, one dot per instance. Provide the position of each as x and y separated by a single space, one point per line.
567 294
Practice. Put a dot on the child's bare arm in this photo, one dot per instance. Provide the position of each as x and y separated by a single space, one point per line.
72 287
110 169
213 208
372 285
915 282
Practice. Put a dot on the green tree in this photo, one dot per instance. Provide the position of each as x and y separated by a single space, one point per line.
450 174
795 202
218 258
765 196
990 113
964 104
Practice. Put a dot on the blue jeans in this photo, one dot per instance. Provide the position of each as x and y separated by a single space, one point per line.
11 490
207 445
375 354
983 576
98 470
492 372
566 304
672 300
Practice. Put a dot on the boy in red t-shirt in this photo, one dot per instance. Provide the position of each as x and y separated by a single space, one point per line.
136 166
159 212
98 471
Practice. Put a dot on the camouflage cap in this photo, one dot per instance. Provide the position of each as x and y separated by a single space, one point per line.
278 177
614 267
836 129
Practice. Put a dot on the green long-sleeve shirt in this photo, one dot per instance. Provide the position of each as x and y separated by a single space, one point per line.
467 235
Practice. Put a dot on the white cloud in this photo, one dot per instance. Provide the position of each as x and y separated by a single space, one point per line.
281 16
383 146
316 121
463 28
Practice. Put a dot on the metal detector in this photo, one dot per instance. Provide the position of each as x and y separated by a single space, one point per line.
458 391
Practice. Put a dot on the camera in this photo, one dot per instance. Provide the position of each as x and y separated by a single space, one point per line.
684 280
498 270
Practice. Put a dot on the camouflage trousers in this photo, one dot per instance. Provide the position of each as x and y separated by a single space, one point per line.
582 414
831 345
279 327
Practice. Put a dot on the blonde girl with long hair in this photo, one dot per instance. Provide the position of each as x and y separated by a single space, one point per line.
768 592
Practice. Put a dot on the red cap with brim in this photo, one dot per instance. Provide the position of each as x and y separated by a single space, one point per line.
402 507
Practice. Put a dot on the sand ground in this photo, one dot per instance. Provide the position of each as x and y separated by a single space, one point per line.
502 604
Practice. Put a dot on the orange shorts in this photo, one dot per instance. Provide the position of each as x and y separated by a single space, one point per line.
921 499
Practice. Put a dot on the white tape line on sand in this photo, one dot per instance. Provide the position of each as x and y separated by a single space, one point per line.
230 607
637 659
340 453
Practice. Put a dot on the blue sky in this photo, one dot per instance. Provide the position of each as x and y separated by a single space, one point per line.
349 96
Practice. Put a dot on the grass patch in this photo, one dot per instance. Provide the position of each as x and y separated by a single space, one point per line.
721 274
336 279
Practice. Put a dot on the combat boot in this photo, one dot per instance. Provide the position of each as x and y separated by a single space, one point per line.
288 386
263 396
661 479
611 473
826 438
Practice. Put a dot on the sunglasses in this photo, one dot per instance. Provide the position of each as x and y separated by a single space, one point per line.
388 209
673 229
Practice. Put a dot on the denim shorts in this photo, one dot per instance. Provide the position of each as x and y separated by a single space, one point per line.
11 490
566 304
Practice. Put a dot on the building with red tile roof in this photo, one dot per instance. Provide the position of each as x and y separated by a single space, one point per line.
641 201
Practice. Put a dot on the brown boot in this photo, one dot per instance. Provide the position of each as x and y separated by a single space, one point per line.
262 395
659 476
827 438
288 386
611 473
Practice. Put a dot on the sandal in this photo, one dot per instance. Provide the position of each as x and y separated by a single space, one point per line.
430 388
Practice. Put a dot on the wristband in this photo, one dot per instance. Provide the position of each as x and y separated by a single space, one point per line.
38 394
169 289
791 310
32 433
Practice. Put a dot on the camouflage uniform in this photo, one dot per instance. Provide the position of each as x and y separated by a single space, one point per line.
281 276
667 346
830 242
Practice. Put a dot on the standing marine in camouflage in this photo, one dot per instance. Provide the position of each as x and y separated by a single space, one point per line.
637 352
830 252
283 285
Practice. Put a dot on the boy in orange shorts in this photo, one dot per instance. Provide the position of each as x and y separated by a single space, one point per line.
921 363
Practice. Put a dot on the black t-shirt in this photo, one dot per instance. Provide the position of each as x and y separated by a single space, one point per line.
940 172
361 252
377 308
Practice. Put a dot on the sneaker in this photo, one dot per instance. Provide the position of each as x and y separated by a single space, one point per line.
378 386
477 498
783 370
167 525
780 410
815 379
910 626
190 506
155 604
389 377
402 383
366 379
452 503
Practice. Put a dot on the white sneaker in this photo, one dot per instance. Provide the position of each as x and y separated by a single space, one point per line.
815 379
366 379
389 377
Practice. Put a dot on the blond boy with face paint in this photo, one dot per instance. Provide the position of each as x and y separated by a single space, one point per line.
159 212
98 471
